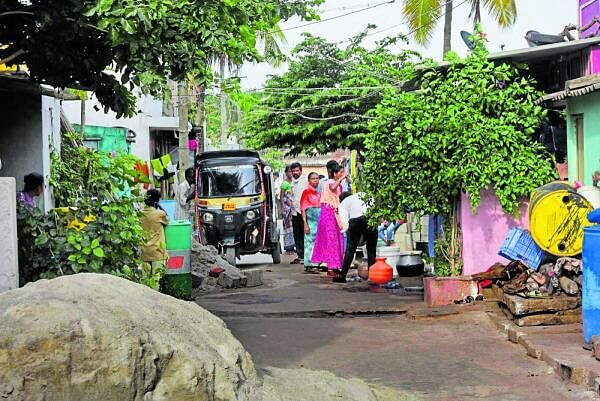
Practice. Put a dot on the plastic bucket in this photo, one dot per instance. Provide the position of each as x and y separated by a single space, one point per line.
391 255
557 216
591 283
592 194
178 234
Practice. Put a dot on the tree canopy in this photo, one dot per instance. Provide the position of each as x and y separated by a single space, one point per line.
322 102
423 15
468 128
72 43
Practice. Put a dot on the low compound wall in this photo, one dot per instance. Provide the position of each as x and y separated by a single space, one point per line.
484 231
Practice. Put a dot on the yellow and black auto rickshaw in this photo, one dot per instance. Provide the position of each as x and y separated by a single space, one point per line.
236 204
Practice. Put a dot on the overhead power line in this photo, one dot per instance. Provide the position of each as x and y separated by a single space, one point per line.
338 16
408 34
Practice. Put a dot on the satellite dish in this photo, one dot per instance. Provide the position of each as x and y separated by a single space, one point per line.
534 38
466 37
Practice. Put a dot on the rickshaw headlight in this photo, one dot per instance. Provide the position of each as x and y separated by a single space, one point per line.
250 214
208 217
267 169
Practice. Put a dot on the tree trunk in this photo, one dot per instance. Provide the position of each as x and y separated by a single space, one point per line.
476 13
200 117
82 118
455 243
182 112
238 110
448 27
224 127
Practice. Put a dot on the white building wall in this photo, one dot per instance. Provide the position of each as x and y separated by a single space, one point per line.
149 116
50 140
9 254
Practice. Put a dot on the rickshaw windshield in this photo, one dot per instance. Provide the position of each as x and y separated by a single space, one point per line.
240 180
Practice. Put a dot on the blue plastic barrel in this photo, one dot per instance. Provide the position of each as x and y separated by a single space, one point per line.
591 282
169 207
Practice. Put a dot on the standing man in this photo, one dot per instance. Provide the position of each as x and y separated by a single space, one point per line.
184 195
353 209
299 184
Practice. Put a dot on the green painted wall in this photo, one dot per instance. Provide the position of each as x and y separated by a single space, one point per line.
588 106
111 139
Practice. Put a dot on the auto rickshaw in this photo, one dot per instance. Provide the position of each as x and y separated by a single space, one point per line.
236 204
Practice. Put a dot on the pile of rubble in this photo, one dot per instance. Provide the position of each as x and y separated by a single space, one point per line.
210 272
551 279
550 295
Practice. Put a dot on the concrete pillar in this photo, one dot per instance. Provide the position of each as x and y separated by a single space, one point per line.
9 265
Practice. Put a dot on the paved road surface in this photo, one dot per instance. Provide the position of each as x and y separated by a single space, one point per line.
456 358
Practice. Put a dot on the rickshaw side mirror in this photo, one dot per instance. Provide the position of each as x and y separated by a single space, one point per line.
267 169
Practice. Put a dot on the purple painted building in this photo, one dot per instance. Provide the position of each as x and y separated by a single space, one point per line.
588 9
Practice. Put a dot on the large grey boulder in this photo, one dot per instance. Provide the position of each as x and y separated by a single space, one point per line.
98 337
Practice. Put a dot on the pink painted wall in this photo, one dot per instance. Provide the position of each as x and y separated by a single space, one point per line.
484 231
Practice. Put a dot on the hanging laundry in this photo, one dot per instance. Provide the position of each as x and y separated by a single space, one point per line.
163 169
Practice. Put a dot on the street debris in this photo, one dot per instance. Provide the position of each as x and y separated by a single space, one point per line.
211 272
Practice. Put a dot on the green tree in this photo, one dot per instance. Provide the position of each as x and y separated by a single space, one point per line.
468 128
322 102
423 15
72 43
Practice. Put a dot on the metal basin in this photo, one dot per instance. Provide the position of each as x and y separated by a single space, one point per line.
410 265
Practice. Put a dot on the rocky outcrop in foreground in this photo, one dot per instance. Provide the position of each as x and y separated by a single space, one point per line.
98 337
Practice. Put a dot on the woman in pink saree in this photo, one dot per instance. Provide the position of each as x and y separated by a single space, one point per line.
329 242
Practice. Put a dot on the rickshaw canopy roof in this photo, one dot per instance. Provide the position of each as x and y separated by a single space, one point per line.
229 157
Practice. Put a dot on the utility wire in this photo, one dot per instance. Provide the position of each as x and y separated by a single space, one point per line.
337 16
408 34
318 107
333 117
340 88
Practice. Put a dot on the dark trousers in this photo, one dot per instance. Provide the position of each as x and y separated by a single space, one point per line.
356 229
298 227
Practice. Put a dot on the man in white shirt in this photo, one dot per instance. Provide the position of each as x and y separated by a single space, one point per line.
353 209
299 184
184 194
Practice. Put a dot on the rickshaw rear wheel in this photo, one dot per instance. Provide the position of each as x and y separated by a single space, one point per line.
230 255
276 254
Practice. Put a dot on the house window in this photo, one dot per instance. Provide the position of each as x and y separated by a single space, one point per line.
579 146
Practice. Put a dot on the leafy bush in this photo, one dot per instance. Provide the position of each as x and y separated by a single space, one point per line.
96 227
467 128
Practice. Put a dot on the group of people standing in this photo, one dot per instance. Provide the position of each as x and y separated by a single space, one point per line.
325 219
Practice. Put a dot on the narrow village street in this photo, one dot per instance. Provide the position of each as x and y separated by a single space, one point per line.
300 200
298 320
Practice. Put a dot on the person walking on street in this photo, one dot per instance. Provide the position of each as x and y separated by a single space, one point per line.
329 242
299 184
353 209
310 204
286 208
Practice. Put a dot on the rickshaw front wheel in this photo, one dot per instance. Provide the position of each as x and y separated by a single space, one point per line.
276 254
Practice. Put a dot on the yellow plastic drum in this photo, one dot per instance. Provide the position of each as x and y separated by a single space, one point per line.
557 216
